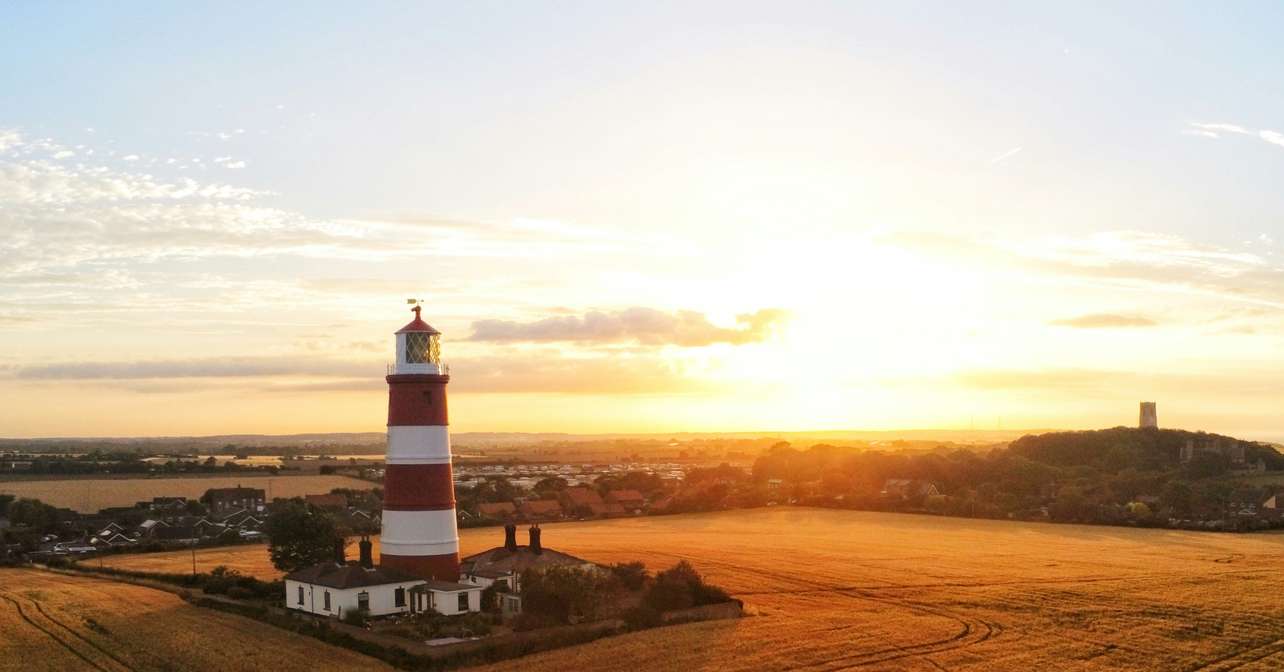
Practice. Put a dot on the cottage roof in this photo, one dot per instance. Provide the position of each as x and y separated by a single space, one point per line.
349 576
500 559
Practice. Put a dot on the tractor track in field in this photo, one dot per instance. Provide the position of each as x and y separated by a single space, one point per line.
61 642
972 631
1232 661
81 637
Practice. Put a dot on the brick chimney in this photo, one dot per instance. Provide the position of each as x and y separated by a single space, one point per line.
510 537
340 558
534 545
367 552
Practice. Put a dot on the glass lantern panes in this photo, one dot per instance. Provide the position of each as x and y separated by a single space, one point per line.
423 348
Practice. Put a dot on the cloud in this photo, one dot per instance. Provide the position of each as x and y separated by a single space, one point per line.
1005 156
1105 321
546 372
1216 128
646 326
209 367
1273 137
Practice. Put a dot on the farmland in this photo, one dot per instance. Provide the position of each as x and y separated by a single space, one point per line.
90 495
838 590
55 622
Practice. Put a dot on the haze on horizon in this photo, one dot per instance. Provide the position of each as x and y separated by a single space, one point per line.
671 217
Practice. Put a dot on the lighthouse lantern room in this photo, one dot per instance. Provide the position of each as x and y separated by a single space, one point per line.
419 530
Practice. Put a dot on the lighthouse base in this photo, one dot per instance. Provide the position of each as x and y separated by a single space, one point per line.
429 567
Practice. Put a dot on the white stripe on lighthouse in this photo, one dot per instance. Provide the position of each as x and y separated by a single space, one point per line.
418 444
419 533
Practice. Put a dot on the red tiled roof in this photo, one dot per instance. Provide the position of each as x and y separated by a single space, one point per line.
327 501
496 508
582 496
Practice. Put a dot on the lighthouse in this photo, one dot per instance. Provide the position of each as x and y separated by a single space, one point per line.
419 532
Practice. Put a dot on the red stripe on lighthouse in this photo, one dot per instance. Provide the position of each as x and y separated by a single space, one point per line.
417 399
418 487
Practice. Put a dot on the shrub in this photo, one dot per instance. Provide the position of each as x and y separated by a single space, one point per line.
240 593
356 617
641 618
632 575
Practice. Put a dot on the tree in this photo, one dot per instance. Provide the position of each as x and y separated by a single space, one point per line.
300 535
564 594
549 486
632 574
680 587
4 503
33 513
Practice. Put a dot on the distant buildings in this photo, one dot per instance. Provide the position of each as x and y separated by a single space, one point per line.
226 500
1149 415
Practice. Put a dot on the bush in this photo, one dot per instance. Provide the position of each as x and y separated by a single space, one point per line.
356 617
240 593
632 575
641 618
680 587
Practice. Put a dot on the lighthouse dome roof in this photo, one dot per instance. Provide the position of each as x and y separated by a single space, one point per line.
417 325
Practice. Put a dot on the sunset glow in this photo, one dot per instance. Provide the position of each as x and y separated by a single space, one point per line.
855 218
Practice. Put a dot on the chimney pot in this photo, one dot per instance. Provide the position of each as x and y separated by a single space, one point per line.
510 537
535 545
367 553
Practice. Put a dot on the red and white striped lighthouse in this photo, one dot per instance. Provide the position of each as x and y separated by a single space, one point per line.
419 533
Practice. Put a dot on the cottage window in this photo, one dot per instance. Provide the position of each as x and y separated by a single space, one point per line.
327 600
300 594
363 601
399 597
463 601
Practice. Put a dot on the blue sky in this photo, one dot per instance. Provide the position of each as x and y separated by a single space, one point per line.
1005 168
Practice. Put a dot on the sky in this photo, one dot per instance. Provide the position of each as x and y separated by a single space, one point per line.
658 217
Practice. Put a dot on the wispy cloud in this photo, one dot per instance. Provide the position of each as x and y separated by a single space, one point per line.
1273 137
1215 130
1005 156
646 326
1105 321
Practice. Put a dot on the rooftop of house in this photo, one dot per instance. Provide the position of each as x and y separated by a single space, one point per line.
332 575
500 561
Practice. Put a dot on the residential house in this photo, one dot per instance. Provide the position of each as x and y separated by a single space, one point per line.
336 588
504 565
225 500
908 488
497 510
631 501
332 502
582 502
540 510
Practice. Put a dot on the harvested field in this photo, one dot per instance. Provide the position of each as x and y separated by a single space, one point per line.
844 590
90 495
55 622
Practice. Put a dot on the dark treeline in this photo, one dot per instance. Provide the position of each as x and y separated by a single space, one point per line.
1116 475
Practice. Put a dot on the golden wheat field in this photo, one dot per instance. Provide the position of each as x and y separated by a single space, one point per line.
56 622
90 495
842 590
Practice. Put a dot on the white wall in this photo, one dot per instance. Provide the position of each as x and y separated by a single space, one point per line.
382 598
448 602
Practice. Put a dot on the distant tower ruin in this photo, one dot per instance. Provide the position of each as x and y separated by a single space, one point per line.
1149 415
